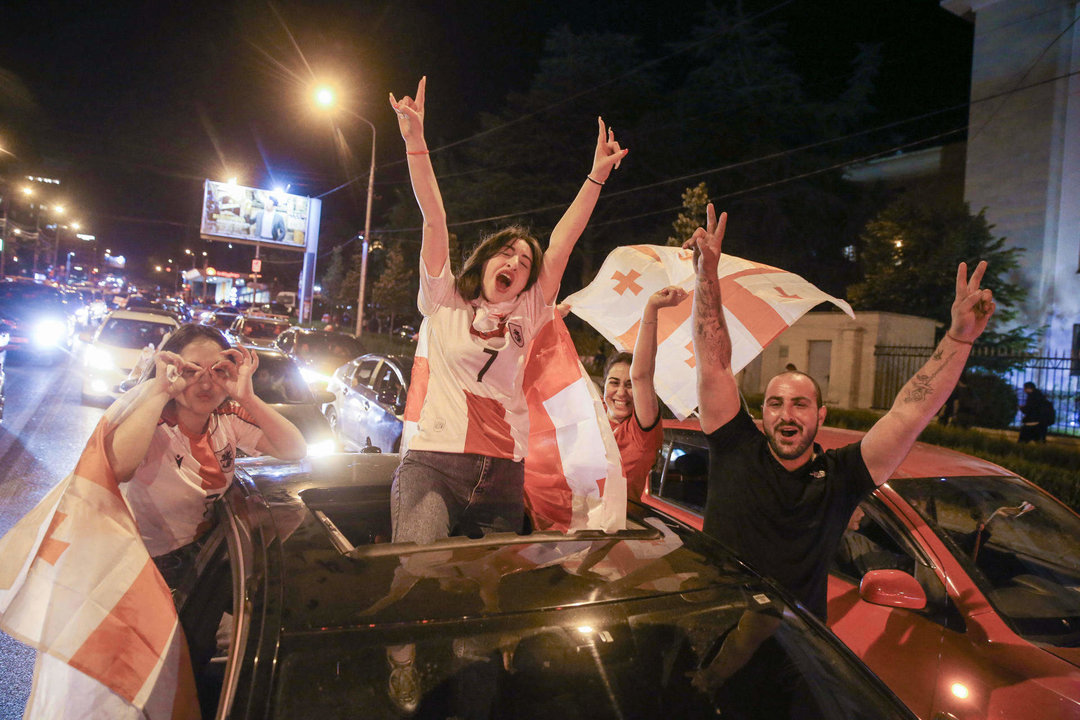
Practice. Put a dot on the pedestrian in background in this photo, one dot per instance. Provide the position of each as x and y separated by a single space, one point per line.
1036 415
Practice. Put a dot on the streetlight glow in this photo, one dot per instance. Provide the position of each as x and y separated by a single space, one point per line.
324 97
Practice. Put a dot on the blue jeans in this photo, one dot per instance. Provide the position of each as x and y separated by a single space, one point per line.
438 494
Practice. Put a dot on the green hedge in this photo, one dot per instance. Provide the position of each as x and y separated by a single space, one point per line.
1053 467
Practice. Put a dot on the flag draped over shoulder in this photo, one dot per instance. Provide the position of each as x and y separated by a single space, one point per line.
760 302
573 475
77 584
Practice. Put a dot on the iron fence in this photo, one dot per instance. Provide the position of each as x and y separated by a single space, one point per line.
1057 376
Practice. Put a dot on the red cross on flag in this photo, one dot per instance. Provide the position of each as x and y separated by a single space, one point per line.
77 584
760 302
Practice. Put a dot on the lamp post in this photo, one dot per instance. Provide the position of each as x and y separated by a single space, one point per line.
325 98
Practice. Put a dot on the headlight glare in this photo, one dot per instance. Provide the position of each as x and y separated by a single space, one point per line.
49 333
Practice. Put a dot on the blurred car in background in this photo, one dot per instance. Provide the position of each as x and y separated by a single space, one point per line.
5 336
94 306
178 307
956 581
318 353
221 318
297 595
114 348
257 330
278 382
405 332
42 322
368 408
269 309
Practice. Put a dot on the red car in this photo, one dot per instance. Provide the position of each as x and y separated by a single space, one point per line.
958 583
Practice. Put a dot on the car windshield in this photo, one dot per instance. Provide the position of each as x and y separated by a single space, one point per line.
1021 547
263 329
131 333
337 346
277 380
222 320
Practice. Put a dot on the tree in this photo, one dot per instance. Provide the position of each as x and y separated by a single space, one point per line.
394 292
909 253
694 201
334 275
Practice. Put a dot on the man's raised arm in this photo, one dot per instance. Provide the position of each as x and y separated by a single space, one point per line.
889 440
718 395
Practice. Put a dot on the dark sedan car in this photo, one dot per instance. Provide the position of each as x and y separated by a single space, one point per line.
318 352
368 409
41 321
257 330
278 382
297 596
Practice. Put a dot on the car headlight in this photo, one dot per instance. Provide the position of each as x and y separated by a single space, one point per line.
321 448
48 333
98 358
311 376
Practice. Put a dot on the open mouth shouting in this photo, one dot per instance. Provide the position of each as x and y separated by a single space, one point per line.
504 280
788 432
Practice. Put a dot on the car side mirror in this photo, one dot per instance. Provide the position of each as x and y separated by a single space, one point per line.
892 588
322 397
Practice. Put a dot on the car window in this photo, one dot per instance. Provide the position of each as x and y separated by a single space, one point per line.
263 329
364 372
277 380
1021 547
867 545
131 333
683 477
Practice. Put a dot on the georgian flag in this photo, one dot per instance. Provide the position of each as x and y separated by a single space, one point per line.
573 473
77 584
760 302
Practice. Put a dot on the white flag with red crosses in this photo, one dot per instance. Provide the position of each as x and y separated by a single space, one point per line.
77 584
760 302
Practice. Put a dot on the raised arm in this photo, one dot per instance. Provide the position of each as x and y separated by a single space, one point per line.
889 440
606 157
129 441
436 239
281 439
646 406
718 395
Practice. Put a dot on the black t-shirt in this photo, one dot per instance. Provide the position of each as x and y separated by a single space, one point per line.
787 525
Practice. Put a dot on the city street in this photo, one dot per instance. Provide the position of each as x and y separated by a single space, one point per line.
42 434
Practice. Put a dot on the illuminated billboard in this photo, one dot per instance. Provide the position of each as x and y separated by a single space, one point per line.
235 213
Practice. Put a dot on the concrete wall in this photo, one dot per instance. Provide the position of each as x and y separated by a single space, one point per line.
849 380
1023 155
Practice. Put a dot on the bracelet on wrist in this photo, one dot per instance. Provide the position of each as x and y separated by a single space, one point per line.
590 179
417 152
956 339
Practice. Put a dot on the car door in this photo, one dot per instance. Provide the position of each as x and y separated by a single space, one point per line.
385 415
357 403
902 646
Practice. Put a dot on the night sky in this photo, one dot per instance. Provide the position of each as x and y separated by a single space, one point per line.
133 105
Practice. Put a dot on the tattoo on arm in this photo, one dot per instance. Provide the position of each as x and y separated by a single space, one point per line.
921 386
711 327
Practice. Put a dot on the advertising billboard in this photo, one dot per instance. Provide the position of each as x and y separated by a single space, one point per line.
235 213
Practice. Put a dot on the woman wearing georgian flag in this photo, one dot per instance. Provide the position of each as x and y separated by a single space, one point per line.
463 469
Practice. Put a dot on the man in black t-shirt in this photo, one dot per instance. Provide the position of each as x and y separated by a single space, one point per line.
775 497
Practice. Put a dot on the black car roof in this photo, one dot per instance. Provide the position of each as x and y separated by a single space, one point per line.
325 506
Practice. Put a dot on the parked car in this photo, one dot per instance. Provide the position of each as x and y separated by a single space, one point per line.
257 330
958 587
296 595
5 337
114 348
277 381
369 401
318 353
42 323
222 319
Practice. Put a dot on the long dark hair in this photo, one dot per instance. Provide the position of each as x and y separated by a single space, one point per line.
469 282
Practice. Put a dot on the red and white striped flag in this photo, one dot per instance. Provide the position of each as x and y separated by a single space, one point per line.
573 474
77 584
760 302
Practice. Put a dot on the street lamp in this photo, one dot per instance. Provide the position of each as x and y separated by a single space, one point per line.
325 98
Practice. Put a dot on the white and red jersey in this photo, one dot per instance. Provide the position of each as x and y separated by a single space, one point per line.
466 391
181 474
